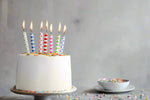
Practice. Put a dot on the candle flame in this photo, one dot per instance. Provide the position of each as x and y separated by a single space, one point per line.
46 24
64 29
59 28
23 24
51 28
41 25
31 26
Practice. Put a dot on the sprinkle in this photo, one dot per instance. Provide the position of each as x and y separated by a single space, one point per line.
146 99
37 91
45 54
68 96
141 96
26 91
135 96
42 91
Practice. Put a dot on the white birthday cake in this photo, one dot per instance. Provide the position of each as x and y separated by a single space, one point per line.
43 72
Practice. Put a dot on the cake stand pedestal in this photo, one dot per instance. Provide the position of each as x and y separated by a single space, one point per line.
43 95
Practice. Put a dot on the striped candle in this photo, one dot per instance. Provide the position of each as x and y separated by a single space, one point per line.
57 43
41 42
32 42
58 39
51 39
41 39
62 44
45 42
63 41
46 38
25 37
26 42
51 43
32 38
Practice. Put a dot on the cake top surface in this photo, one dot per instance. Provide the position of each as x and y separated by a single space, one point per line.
45 54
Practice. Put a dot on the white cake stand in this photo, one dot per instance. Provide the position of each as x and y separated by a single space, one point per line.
42 95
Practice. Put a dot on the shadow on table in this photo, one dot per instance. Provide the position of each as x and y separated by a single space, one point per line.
14 98
94 91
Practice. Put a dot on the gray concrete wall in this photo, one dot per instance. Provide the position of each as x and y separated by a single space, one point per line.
106 38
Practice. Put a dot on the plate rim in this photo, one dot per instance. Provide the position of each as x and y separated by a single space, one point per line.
115 91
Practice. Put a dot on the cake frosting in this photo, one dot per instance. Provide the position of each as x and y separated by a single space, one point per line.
49 72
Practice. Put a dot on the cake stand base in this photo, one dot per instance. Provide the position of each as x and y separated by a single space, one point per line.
43 95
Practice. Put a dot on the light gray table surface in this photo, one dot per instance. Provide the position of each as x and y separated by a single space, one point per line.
80 92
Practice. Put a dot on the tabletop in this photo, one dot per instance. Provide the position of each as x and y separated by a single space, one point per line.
91 94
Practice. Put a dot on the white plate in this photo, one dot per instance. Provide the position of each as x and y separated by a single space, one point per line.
129 88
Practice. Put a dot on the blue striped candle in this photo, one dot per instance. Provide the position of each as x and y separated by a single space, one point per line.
63 41
62 44
32 42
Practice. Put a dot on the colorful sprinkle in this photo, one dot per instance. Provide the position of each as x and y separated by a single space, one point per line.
45 54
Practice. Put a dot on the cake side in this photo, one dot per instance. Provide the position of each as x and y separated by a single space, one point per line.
43 73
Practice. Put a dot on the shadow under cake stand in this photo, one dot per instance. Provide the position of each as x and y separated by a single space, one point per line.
42 95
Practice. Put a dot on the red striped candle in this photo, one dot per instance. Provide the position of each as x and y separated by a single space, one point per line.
46 38
45 42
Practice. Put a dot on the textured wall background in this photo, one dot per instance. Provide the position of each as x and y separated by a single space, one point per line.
106 38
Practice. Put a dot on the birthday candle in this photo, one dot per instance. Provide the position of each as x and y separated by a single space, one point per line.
58 39
63 41
46 38
32 38
41 39
51 39
25 37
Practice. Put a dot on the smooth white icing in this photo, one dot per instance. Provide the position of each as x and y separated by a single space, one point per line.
43 73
